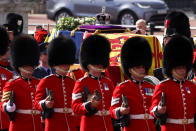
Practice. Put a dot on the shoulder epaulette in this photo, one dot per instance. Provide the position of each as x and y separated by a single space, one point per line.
82 78
122 82
14 78
48 76
164 80
5 69
151 79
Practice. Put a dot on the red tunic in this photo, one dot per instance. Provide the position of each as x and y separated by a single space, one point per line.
139 101
76 74
5 75
62 88
98 121
180 101
24 93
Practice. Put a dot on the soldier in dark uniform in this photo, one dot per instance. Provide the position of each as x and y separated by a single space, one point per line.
43 69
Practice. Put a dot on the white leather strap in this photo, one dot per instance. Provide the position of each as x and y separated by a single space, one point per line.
32 112
63 110
103 113
141 116
180 121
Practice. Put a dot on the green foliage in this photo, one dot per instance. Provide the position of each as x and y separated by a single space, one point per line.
70 23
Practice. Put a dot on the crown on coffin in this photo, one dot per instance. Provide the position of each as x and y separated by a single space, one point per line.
103 18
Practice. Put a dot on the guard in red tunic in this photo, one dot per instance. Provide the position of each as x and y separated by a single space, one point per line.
132 98
24 57
177 107
5 75
54 92
92 94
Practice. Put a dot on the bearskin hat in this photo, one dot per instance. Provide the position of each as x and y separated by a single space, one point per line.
14 22
177 22
61 51
4 41
24 51
178 52
94 50
136 51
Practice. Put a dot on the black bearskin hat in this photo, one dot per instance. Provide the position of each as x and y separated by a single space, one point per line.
24 51
4 41
61 51
178 52
177 22
95 50
14 22
136 51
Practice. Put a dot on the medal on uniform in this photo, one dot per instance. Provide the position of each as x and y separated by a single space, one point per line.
146 91
3 77
105 86
188 91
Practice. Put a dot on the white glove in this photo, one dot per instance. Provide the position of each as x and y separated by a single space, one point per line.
10 108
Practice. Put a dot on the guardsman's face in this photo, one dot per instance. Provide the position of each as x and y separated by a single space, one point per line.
26 71
62 69
179 72
95 68
138 72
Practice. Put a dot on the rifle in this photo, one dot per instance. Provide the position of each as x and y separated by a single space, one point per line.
11 114
86 95
12 98
126 118
163 99
125 101
97 95
162 117
48 111
50 94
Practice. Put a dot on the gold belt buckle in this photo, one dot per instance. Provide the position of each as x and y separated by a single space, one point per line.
185 121
33 112
146 116
103 112
65 110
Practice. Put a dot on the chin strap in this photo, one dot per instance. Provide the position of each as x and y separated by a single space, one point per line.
96 69
137 74
61 70
176 74
25 71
